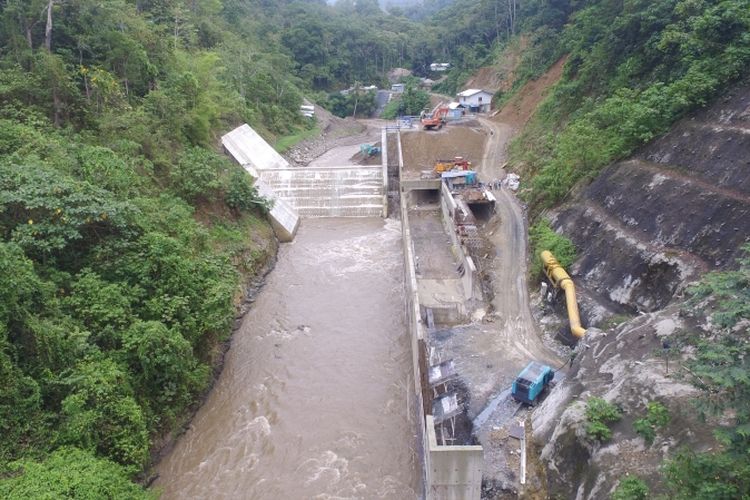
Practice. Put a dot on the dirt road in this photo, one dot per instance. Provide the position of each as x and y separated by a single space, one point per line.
493 352
508 268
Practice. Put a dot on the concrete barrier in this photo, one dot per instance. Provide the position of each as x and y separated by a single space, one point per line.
449 472
469 277
455 471
384 166
249 148
284 218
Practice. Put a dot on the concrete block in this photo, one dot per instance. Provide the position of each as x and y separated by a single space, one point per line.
248 148
284 218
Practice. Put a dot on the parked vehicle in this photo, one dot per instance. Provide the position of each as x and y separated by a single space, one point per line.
531 382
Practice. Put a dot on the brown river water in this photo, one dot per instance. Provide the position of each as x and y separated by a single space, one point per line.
314 400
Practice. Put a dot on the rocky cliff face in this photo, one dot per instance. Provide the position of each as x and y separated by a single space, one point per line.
678 208
645 228
627 368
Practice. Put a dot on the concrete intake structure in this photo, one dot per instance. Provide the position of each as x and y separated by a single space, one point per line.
560 279
345 191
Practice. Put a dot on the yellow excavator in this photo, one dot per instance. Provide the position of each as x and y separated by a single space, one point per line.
457 163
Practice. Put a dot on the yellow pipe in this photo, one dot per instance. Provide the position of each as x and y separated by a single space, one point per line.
560 279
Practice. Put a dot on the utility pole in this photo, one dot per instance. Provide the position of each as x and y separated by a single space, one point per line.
665 345
356 98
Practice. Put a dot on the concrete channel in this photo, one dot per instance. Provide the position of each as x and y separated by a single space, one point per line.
437 286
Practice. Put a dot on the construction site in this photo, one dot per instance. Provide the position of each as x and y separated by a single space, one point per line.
464 256
472 324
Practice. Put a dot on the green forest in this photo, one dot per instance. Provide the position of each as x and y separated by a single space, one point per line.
128 237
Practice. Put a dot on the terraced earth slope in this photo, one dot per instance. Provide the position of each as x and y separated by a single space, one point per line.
678 208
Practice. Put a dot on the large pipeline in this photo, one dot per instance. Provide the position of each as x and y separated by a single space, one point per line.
560 279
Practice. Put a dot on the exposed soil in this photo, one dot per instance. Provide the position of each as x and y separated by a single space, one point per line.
502 75
423 148
521 107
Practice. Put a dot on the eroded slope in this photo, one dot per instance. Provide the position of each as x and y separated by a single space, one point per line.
679 208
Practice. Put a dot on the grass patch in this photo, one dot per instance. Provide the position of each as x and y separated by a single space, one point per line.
285 142
657 416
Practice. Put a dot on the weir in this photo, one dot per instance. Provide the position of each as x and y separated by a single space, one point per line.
339 191
345 191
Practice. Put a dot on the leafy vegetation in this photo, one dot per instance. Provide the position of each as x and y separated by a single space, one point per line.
411 102
633 69
631 488
69 473
542 237
599 414
114 296
355 103
657 416
720 370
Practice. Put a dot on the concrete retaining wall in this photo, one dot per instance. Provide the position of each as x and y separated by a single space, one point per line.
248 148
469 277
455 471
449 472
384 166
348 191
284 218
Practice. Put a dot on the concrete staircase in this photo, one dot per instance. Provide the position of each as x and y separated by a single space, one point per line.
348 191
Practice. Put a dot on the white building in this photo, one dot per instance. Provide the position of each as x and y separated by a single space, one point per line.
440 67
476 100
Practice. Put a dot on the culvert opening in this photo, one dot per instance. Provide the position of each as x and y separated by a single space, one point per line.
483 212
424 197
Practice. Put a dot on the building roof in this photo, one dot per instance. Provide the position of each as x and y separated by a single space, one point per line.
471 92
450 174
455 105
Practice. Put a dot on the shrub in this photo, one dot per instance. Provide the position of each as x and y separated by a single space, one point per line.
242 196
197 174
631 488
599 413
102 416
70 473
543 237
657 416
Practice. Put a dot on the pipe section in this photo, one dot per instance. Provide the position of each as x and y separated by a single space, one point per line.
560 279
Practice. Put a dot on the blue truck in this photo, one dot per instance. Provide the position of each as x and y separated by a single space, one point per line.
530 383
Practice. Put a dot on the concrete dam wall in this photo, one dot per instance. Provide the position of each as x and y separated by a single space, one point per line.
323 191
348 191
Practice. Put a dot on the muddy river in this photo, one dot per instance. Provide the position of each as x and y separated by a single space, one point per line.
314 399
